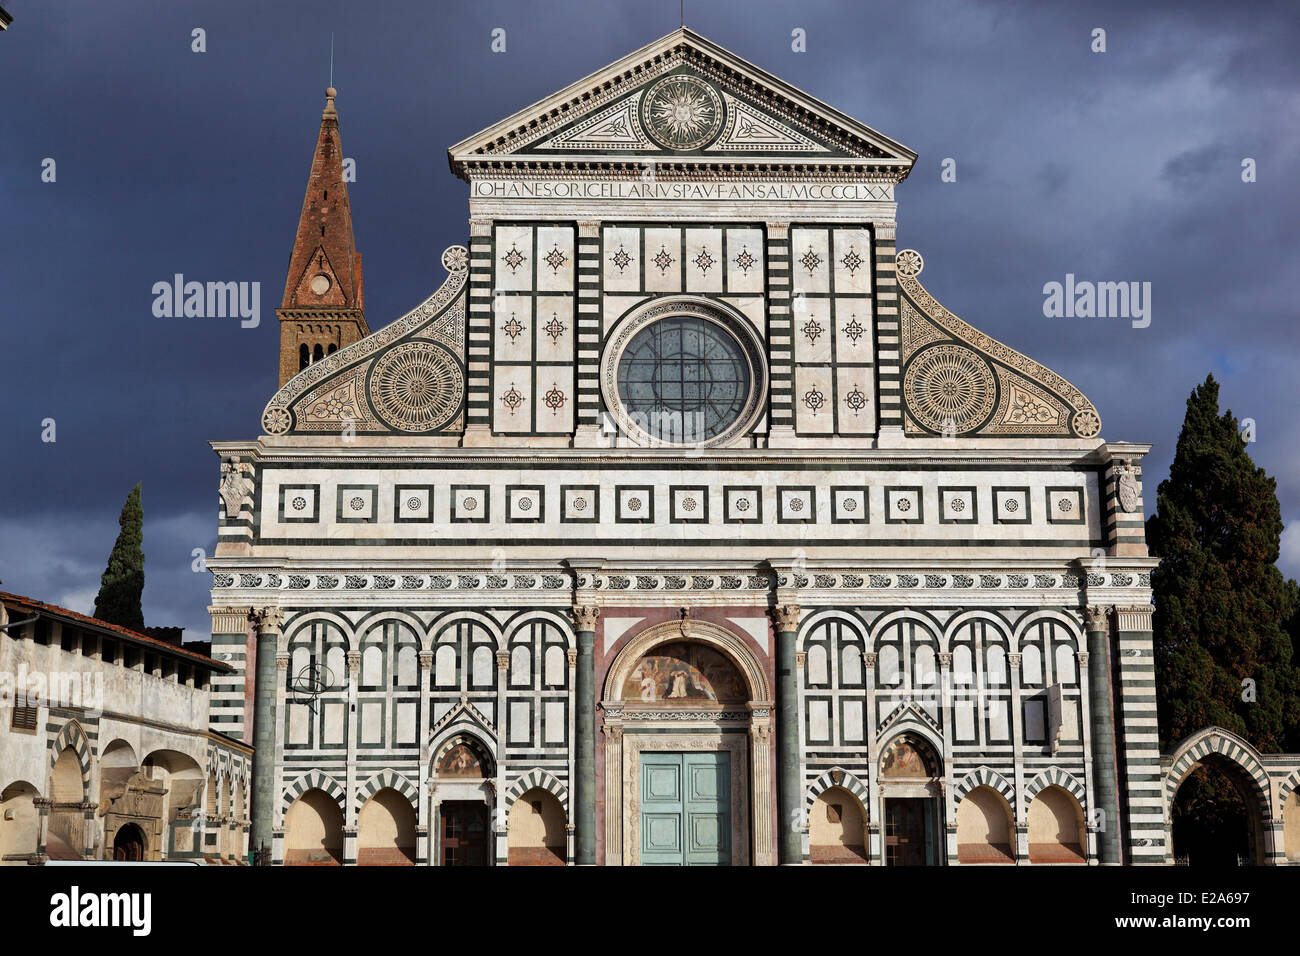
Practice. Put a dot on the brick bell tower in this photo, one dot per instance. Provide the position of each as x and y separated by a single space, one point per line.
323 308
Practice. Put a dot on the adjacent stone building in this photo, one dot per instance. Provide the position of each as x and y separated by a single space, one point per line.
105 749
682 525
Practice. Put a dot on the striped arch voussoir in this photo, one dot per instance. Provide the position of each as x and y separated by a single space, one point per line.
1224 743
538 778
313 779
1055 776
384 779
984 777
1288 785
71 735
828 779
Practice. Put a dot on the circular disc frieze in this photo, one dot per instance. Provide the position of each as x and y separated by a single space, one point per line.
682 112
416 386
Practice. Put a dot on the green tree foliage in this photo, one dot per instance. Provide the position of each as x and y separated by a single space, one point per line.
1224 614
122 586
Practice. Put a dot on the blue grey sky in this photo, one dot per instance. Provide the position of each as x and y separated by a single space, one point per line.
1116 166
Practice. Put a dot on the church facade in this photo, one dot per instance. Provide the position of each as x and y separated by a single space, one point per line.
682 525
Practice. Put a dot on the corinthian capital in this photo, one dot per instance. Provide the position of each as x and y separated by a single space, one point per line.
585 616
268 620
785 617
1098 616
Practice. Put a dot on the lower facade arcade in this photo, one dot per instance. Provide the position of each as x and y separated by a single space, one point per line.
759 729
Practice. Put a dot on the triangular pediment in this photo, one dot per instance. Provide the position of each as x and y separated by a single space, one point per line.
689 100
318 284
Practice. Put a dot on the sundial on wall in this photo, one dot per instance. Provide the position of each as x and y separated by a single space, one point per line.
682 112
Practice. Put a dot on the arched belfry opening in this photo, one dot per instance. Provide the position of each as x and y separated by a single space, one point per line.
687 735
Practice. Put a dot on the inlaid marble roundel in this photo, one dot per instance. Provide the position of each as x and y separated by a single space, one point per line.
682 112
416 386
949 388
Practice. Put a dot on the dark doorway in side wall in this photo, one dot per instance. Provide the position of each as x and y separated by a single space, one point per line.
463 829
128 844
1213 818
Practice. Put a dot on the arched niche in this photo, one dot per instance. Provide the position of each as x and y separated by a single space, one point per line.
313 830
536 830
985 831
837 828
386 829
1056 828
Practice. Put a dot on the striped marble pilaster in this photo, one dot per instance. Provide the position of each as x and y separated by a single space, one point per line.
1137 735
588 327
780 334
888 337
478 338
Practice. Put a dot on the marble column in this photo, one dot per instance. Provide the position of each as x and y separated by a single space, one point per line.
1104 767
267 620
424 823
353 659
584 789
1021 847
785 621
500 822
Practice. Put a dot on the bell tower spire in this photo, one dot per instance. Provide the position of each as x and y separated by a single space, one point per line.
323 309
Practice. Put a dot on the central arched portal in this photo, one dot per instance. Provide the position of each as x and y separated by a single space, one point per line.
687 730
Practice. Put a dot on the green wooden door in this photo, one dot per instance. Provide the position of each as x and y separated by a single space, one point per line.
685 809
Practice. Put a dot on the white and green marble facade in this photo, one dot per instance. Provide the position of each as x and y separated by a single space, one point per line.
435 555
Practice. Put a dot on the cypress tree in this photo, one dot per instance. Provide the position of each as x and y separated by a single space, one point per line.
1223 615
122 586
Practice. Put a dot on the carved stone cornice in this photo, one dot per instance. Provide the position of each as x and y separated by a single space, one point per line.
585 616
785 617
230 619
1134 618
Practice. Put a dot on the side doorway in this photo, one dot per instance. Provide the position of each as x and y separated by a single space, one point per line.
463 830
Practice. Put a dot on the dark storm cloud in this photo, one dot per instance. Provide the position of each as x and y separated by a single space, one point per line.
1117 166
